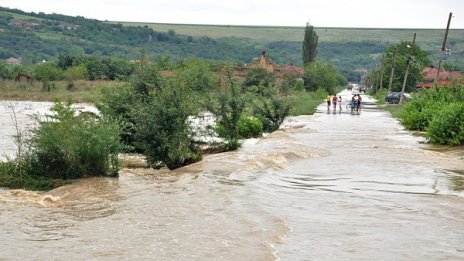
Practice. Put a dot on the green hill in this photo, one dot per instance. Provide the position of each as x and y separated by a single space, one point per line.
38 36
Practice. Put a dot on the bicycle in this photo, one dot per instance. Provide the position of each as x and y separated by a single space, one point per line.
353 108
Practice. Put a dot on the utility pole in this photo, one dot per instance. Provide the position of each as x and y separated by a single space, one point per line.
443 49
381 72
392 70
407 68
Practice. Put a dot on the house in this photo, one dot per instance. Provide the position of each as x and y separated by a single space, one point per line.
291 70
262 62
445 78
23 78
13 61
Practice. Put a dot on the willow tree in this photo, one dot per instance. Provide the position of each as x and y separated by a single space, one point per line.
309 44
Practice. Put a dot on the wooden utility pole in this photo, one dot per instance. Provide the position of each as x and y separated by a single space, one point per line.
443 49
407 68
392 70
381 72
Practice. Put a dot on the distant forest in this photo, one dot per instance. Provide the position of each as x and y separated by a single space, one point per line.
34 37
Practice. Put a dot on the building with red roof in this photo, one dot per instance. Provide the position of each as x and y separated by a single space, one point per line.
445 78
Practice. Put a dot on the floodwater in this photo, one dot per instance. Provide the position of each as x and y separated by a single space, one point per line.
332 186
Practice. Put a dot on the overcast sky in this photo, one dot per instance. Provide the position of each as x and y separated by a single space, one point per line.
320 13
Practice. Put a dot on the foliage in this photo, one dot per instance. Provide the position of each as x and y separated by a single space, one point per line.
320 75
119 103
447 125
196 75
272 113
66 146
228 112
63 146
309 45
248 127
163 131
303 102
419 61
419 112
257 76
47 72
146 80
78 72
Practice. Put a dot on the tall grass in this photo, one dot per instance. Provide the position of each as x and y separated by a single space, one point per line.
83 91
305 103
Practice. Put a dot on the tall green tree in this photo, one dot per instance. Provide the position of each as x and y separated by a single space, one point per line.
320 75
309 44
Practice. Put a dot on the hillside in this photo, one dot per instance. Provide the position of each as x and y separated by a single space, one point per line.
36 37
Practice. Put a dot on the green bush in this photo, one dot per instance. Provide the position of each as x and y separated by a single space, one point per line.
248 127
120 104
63 146
272 113
419 112
66 146
447 126
162 129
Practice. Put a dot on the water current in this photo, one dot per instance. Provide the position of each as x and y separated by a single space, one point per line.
332 186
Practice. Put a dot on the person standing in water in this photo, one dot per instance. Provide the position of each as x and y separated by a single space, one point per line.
328 102
334 102
340 103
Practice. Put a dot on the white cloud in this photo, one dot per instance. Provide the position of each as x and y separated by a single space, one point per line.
330 13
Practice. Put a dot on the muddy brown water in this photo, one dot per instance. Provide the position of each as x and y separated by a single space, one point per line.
332 186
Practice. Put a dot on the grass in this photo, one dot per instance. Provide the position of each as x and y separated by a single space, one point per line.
84 91
304 103
289 33
19 16
394 109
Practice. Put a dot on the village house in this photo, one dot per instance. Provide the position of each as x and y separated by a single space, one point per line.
13 61
264 62
445 78
23 78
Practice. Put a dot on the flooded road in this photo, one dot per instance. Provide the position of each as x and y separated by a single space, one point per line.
324 187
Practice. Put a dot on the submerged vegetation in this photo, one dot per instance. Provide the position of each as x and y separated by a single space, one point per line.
63 146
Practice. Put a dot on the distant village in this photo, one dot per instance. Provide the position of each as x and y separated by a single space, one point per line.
446 78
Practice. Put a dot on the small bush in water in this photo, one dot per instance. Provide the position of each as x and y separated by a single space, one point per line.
66 146
247 126
63 146
272 113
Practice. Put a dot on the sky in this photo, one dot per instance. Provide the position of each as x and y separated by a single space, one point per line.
320 13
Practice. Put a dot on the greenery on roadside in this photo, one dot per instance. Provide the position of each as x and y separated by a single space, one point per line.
62 147
439 113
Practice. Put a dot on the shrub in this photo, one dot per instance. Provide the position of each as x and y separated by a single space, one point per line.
258 76
66 146
120 104
163 131
419 112
447 126
228 112
272 113
247 126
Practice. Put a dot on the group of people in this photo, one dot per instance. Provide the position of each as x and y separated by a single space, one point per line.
356 103
333 99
